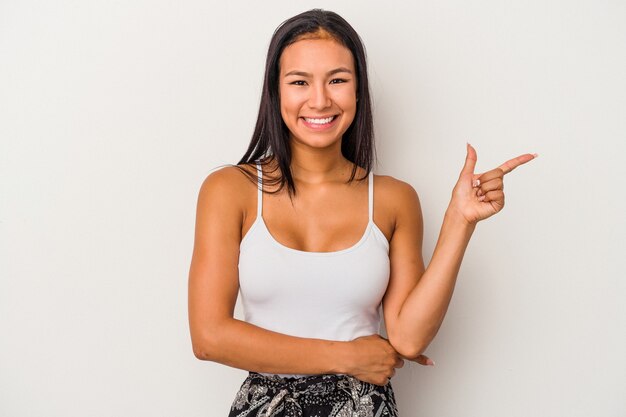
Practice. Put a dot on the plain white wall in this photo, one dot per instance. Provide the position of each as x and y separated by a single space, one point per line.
112 114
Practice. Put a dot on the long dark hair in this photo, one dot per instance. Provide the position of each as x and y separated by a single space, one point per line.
271 135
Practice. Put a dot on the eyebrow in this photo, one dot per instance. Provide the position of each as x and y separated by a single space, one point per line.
331 72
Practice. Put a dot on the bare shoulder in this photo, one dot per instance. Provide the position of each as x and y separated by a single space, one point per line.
229 175
228 181
396 193
396 205
227 193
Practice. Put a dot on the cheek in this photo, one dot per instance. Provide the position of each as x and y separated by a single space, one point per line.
288 103
282 103
285 110
347 98
285 115
349 103
350 106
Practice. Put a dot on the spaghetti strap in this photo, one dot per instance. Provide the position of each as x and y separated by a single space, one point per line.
281 286
259 204
370 196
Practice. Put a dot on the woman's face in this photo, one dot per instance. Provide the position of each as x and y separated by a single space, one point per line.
317 86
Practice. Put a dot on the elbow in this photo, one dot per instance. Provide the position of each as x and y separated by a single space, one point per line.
407 347
204 348
208 340
410 351
201 352
413 343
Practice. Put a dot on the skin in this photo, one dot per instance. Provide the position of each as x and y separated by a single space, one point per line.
310 88
317 78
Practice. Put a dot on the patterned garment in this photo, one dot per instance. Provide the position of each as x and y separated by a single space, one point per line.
326 395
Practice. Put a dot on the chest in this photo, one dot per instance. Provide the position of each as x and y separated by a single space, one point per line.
326 221
285 279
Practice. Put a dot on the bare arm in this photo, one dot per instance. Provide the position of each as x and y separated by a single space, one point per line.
213 290
413 320
418 298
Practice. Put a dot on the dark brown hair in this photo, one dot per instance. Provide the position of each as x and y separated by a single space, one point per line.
271 135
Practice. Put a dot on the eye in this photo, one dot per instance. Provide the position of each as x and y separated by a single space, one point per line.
338 81
298 82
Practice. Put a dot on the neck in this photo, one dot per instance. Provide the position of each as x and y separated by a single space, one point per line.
318 165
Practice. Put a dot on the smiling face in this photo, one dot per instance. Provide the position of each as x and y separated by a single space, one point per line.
317 87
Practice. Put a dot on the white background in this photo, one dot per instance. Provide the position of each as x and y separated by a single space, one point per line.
112 113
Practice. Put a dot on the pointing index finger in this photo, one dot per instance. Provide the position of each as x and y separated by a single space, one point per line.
511 164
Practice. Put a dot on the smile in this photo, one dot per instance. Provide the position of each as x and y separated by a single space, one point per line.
319 123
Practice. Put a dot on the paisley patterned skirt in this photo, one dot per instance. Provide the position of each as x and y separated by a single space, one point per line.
326 395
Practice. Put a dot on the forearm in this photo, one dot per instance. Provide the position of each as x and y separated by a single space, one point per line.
424 309
245 346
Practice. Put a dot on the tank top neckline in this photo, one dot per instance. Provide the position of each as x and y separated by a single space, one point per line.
370 228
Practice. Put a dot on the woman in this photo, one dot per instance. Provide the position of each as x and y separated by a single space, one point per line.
297 227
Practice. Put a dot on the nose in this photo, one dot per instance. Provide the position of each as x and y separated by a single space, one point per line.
319 97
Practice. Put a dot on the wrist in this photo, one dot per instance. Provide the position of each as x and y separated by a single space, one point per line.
341 356
455 219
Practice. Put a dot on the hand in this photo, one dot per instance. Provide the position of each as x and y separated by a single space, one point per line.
478 196
424 360
373 359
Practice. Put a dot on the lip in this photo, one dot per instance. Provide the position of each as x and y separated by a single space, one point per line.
318 127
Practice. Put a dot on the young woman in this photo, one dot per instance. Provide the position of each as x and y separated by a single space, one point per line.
316 243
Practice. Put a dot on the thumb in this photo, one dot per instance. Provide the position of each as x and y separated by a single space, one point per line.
425 360
470 160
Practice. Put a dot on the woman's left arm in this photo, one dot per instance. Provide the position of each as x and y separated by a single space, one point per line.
417 298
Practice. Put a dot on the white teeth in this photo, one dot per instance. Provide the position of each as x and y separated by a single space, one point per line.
319 121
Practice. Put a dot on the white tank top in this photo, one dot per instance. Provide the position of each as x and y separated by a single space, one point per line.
322 295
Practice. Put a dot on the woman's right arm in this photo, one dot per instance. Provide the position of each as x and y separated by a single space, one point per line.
213 288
